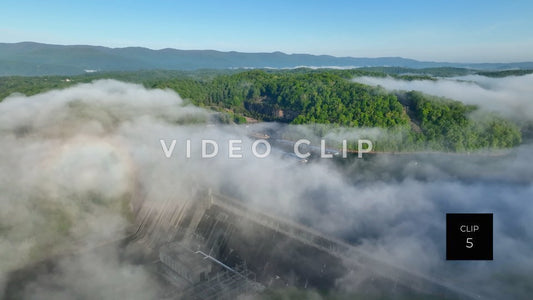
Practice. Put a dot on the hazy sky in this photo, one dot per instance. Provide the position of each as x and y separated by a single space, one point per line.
461 31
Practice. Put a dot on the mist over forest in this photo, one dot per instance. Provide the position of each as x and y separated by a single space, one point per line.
73 159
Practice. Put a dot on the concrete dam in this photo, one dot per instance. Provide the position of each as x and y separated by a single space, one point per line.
205 245
214 247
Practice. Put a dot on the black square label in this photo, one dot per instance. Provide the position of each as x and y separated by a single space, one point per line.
469 236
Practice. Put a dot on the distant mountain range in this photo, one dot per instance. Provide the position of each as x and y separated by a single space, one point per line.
29 59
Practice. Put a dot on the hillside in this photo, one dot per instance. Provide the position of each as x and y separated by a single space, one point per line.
410 120
35 59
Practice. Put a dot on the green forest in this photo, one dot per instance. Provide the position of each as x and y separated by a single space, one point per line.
411 120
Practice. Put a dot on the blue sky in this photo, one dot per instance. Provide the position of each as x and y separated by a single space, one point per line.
460 31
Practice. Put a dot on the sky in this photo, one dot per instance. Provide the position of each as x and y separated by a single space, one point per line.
457 31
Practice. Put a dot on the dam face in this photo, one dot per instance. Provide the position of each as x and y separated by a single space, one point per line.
274 257
204 245
253 251
237 238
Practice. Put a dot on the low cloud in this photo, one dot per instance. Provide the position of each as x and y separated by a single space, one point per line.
75 161
510 96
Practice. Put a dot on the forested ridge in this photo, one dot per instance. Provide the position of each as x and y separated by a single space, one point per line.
412 120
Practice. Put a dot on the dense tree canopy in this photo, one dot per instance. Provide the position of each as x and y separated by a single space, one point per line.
302 96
